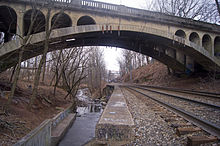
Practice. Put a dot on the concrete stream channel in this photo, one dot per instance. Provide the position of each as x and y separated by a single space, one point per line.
83 128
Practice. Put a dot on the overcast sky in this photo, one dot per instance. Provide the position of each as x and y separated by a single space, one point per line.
129 3
111 55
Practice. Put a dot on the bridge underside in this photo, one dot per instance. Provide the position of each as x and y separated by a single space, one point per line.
147 44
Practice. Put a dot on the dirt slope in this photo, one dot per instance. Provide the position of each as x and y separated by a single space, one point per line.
20 121
157 74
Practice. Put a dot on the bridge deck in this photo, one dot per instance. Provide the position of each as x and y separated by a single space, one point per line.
116 122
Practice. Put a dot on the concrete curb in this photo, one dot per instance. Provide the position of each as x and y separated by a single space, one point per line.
61 129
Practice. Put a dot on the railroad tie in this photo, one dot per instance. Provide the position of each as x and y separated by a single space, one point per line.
197 140
187 130
182 124
168 116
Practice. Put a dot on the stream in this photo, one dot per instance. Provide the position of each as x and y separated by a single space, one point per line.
83 128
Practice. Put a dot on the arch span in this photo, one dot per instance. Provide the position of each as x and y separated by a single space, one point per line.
217 46
180 33
194 37
8 23
207 43
37 18
85 20
61 20
148 41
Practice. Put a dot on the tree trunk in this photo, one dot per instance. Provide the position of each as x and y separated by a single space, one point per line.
42 61
28 71
17 72
12 74
44 69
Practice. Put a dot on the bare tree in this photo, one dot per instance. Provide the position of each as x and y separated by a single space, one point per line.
203 10
25 42
43 59
96 71
48 30
69 67
218 6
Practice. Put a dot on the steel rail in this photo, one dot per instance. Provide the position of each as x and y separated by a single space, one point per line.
203 124
180 97
200 93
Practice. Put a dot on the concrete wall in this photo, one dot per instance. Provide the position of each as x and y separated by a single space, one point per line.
40 136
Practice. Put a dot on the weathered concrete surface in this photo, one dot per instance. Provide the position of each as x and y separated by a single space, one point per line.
82 131
40 136
116 124
60 130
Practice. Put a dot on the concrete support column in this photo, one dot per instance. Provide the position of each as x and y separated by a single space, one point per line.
50 20
170 52
190 63
213 47
180 56
20 27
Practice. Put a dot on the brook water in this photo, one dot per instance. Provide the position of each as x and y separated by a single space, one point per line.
83 129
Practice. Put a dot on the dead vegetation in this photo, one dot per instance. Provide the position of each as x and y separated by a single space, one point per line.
157 74
19 121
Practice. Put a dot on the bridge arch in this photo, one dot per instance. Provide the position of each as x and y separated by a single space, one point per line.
217 46
194 37
8 23
180 33
61 20
85 20
207 42
39 21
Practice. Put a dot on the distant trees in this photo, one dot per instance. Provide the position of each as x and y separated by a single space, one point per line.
218 6
96 71
131 60
203 10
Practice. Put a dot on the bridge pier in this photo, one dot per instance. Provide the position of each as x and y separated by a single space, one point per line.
20 23
181 57
171 53
190 63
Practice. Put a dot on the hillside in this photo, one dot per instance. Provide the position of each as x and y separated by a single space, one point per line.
20 121
157 74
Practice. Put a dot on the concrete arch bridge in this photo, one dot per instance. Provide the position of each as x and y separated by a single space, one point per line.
181 44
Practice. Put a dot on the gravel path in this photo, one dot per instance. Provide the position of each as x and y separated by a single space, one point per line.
150 129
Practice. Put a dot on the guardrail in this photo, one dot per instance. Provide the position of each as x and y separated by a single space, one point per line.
41 136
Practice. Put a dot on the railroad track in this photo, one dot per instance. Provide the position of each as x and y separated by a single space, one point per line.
202 114
206 94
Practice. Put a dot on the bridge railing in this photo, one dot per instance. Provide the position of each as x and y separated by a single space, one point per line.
128 11
95 4
99 5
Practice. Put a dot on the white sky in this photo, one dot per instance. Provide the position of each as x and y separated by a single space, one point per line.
129 3
111 55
